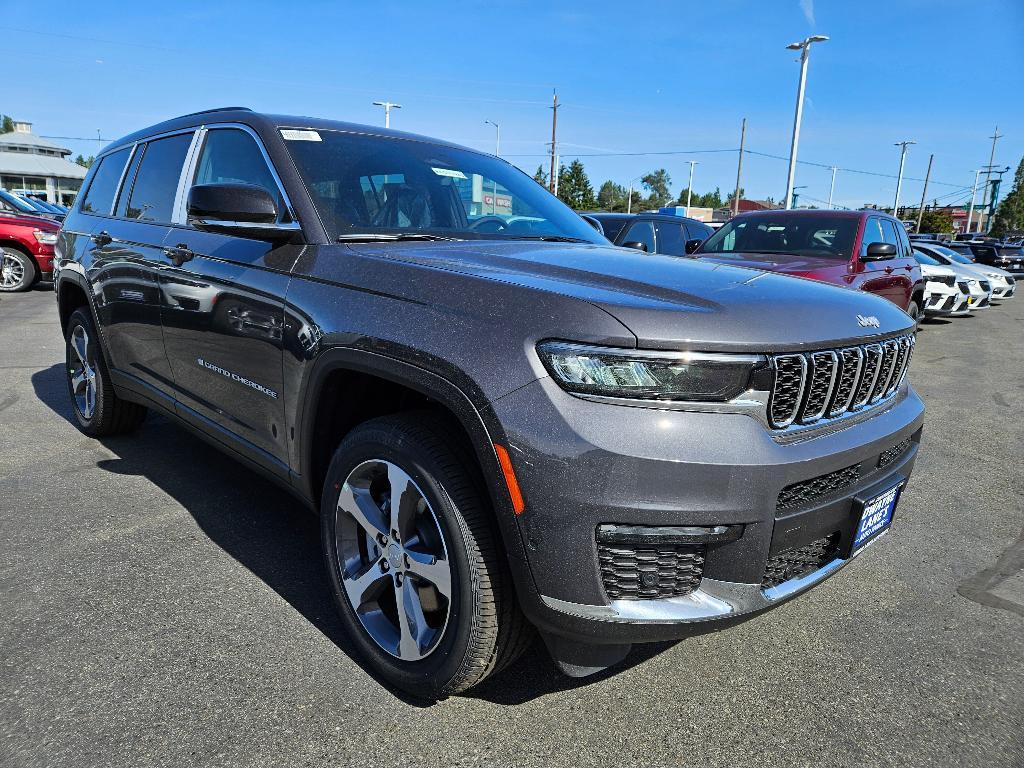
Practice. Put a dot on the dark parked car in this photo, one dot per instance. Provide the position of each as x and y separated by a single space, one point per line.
864 250
505 423
1007 257
656 232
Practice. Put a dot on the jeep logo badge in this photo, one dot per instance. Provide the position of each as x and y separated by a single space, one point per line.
868 322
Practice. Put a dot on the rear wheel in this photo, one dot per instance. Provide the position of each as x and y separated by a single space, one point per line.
98 409
415 564
17 270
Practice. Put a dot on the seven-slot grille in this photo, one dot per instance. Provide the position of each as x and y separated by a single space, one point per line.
812 386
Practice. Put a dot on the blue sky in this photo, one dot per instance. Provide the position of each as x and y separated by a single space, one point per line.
641 77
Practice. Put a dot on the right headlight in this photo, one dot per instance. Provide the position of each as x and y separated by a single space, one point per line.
653 375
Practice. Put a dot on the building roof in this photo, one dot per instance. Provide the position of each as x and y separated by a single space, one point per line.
28 139
28 164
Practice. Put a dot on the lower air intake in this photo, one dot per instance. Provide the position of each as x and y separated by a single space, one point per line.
798 562
645 572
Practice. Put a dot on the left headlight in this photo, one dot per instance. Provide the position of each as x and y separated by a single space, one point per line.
631 373
47 238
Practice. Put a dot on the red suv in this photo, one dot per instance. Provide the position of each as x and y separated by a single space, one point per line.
867 250
26 251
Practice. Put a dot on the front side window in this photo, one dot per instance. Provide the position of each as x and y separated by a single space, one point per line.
367 187
99 198
156 183
641 232
872 234
829 237
232 156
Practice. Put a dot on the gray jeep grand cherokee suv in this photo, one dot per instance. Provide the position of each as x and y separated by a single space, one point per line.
505 423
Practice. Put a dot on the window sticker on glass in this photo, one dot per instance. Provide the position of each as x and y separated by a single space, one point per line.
292 134
449 172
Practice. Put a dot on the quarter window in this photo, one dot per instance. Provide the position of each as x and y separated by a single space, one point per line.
100 196
156 184
232 156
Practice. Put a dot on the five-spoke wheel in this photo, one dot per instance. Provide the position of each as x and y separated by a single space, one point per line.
82 372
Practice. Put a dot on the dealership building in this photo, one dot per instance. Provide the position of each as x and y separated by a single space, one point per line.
31 164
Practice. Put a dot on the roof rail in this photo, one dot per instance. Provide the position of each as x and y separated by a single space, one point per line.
218 109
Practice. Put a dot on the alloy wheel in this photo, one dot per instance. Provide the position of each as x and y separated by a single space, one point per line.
82 373
12 271
393 560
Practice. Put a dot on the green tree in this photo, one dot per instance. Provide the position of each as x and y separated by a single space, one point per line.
541 176
611 197
6 124
658 183
85 162
1009 218
574 187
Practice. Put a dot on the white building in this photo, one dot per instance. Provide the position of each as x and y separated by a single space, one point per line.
29 163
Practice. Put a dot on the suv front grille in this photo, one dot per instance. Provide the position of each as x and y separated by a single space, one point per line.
806 491
985 285
800 561
813 386
645 571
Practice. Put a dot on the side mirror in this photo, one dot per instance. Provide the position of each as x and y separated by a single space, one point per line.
693 245
245 210
879 252
635 244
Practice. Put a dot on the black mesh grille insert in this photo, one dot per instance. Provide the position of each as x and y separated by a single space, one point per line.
789 384
823 367
800 561
846 381
872 361
889 456
806 491
644 572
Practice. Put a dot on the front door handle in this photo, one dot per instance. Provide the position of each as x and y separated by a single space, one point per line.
102 238
888 270
179 254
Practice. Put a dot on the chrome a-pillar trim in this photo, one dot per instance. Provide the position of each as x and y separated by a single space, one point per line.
714 599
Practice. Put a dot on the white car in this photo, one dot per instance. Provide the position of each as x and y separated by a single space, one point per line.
944 293
1003 284
979 288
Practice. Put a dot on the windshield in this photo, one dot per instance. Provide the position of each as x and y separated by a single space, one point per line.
923 258
956 256
17 202
803 235
367 187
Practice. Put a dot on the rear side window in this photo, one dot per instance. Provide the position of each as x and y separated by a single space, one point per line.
671 239
156 183
232 156
641 232
99 198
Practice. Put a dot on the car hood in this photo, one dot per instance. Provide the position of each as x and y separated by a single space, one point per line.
40 221
669 302
930 270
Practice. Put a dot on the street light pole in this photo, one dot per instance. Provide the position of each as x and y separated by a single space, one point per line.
497 137
804 46
388 106
974 194
689 188
832 187
899 178
629 199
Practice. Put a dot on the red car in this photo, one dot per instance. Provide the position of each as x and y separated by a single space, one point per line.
866 250
26 251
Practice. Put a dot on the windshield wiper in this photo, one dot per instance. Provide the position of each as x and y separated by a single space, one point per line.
381 237
548 238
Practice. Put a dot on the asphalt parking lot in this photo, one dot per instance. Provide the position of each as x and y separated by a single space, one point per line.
162 605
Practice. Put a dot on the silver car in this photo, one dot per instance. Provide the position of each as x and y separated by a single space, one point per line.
1002 283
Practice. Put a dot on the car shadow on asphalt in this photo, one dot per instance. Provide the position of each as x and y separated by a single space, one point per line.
277 539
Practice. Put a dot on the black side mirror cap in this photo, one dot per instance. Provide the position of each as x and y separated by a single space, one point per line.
594 223
693 245
245 210
636 245
879 252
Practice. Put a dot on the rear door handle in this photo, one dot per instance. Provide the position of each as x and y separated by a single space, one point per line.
102 238
179 254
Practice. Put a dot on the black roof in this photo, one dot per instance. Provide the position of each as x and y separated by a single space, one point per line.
599 215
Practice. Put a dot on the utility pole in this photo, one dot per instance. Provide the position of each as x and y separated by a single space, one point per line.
991 159
689 187
832 187
554 125
899 179
804 46
928 175
388 106
739 169
994 198
974 193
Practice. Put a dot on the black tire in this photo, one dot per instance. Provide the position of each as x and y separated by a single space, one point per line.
17 270
485 629
108 414
914 310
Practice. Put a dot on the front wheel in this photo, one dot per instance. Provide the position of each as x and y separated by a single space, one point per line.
17 270
914 310
415 564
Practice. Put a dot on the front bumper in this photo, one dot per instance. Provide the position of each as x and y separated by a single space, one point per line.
583 464
942 300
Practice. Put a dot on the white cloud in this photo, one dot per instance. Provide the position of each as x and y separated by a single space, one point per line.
807 6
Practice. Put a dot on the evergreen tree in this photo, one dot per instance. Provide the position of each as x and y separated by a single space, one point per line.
541 176
574 187
6 124
611 197
1009 216
658 183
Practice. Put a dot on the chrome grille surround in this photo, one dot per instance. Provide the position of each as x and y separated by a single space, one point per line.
833 383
